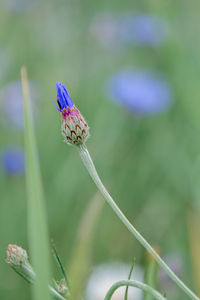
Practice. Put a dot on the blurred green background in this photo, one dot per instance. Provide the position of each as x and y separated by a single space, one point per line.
150 164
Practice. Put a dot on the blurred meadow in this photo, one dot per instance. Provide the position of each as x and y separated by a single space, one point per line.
132 68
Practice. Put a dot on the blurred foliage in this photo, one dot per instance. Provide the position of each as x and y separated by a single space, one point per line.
149 164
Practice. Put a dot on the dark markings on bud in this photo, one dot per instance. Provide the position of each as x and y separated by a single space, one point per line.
73 132
77 126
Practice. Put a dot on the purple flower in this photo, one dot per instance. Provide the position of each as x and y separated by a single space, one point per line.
142 92
12 161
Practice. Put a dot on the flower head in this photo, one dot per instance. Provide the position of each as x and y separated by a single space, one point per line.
16 255
74 127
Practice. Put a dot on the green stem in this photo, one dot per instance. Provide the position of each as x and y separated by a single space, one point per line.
142 286
87 161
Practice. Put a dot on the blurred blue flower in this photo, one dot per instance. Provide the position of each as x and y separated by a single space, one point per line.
11 100
127 28
142 92
13 161
141 29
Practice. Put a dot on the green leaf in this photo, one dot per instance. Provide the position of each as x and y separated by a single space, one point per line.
37 220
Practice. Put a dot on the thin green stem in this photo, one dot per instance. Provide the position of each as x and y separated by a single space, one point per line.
129 277
87 161
142 286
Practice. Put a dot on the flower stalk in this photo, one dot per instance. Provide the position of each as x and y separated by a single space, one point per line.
87 161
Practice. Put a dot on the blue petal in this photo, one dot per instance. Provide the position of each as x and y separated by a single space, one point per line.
61 99
64 99
69 101
56 106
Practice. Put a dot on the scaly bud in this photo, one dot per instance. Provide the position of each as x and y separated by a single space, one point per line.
74 127
16 255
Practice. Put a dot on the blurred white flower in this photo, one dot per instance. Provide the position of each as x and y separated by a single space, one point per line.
105 275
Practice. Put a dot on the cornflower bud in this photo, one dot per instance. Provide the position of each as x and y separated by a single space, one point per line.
74 127
16 255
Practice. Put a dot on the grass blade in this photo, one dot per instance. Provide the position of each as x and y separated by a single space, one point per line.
129 277
59 262
37 221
